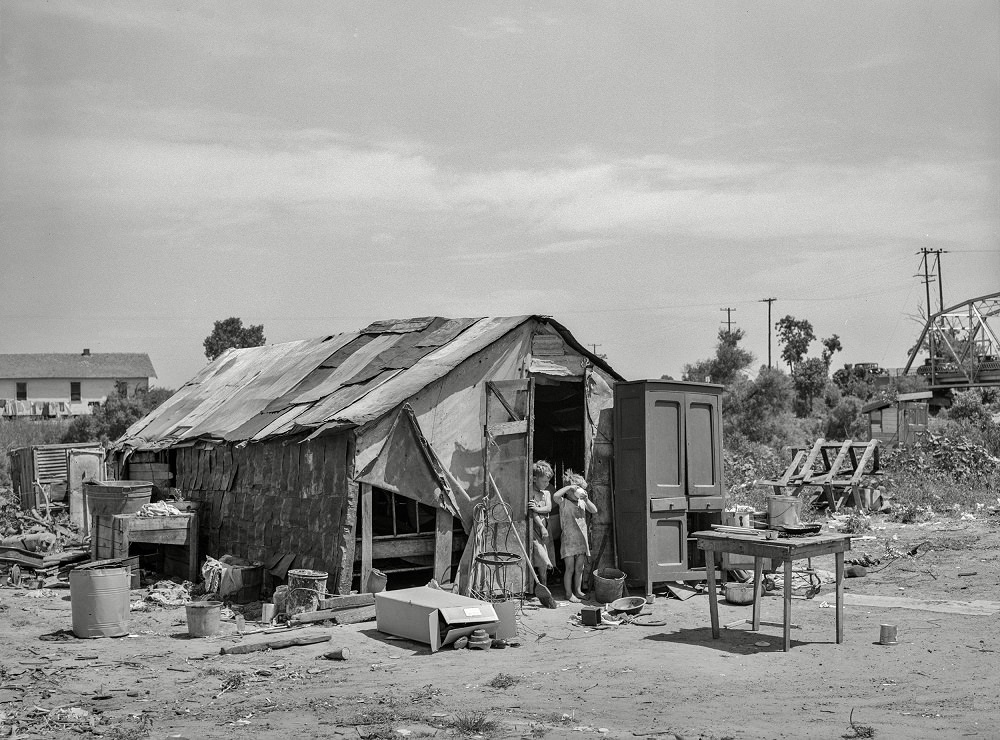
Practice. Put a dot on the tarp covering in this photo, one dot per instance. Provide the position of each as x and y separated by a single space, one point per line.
407 465
313 386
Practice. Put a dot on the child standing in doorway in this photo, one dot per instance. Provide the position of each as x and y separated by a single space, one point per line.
539 508
574 504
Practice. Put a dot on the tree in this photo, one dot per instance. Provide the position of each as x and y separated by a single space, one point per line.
231 334
810 379
110 420
760 410
830 346
729 360
796 335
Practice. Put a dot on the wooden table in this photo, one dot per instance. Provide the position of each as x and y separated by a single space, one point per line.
783 550
163 530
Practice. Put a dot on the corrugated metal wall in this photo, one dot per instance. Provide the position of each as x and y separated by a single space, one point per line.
271 498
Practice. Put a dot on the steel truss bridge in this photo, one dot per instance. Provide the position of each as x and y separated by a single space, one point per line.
963 346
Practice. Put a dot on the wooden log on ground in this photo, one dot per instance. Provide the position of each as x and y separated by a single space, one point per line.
273 644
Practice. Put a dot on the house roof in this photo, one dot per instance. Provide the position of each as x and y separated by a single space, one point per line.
97 365
327 383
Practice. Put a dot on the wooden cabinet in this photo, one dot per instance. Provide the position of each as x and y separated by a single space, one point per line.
668 476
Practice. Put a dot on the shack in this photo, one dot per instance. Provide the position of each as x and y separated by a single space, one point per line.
373 448
897 422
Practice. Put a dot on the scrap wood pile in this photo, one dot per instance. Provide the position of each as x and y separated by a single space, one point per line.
41 543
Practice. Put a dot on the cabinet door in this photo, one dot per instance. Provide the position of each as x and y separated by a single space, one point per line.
664 444
667 544
703 444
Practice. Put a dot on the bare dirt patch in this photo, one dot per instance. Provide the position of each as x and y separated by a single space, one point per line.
564 680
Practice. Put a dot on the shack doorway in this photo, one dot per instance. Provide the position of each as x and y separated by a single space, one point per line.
559 418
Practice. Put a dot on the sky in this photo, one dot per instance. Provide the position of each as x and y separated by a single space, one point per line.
630 169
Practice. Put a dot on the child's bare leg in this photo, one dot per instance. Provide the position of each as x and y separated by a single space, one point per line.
569 564
578 578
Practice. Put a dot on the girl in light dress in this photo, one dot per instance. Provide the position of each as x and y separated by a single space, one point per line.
574 504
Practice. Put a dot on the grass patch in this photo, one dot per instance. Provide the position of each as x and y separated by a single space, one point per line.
504 681
138 730
858 730
475 723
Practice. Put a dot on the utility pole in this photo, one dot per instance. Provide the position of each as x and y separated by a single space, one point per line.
593 348
729 318
932 274
768 301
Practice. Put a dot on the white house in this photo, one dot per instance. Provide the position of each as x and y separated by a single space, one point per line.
69 384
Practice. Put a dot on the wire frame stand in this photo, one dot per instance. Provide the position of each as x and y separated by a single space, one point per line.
496 573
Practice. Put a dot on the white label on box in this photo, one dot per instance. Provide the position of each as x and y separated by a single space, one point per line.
474 612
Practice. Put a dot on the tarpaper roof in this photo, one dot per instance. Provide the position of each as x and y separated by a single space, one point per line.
95 365
329 382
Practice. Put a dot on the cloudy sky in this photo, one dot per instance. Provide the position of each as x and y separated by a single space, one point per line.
628 168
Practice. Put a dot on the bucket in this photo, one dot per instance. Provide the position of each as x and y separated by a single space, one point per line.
608 585
783 511
376 581
306 588
111 497
203 618
887 634
98 594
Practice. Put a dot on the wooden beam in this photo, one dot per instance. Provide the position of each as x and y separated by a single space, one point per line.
442 546
365 496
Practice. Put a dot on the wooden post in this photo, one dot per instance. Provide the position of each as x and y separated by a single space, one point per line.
839 565
442 546
348 521
365 496
788 604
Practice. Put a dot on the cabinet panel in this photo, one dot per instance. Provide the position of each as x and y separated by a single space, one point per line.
704 466
665 444
667 543
667 504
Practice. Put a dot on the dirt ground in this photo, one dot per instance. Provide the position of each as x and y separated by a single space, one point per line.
564 681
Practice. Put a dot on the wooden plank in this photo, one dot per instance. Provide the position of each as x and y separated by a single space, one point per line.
365 492
444 524
157 523
344 615
347 602
508 427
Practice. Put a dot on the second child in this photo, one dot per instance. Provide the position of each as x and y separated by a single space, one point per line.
574 505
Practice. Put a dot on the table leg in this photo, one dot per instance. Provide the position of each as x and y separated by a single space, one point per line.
120 543
713 596
758 587
192 543
788 604
839 559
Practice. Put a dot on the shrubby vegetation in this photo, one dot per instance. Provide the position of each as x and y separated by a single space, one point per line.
955 464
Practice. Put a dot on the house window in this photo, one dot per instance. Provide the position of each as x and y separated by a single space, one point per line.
74 392
122 387
22 391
